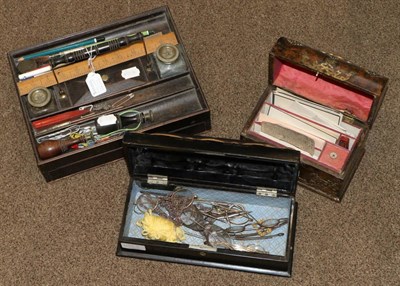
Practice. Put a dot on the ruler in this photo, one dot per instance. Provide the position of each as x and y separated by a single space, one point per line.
45 80
154 41
124 54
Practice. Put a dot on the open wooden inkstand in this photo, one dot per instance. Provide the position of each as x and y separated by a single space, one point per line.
81 92
321 105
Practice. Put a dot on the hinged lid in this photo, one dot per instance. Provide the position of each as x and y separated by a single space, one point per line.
327 79
211 162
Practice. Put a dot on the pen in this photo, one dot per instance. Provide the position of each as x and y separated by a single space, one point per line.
61 49
80 54
59 118
34 73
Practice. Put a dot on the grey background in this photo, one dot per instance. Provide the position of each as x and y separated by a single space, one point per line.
66 232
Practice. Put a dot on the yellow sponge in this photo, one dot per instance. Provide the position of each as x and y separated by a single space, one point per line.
160 228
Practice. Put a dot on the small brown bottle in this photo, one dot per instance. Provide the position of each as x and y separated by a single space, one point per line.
51 148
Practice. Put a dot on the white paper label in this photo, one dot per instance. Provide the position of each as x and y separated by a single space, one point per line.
107 120
95 84
130 73
133 246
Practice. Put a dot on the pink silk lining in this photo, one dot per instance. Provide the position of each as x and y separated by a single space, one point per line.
321 91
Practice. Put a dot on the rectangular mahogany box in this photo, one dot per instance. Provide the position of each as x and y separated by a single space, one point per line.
81 92
210 202
321 105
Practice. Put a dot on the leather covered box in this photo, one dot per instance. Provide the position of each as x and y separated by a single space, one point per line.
321 105
81 92
210 202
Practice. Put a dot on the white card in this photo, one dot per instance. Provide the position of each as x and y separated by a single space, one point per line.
105 120
283 98
304 124
130 73
95 84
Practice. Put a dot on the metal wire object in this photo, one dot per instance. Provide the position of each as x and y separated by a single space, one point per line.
219 224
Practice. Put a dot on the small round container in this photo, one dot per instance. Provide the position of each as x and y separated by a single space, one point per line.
39 97
167 53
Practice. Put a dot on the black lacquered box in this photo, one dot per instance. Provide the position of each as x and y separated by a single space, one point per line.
210 202
321 105
80 93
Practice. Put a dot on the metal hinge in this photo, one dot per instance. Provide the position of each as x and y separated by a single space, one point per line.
157 180
267 192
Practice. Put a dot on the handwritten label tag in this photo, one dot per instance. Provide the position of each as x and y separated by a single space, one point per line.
95 84
130 73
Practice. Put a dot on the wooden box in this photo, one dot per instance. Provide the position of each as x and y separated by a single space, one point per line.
81 92
321 105
210 202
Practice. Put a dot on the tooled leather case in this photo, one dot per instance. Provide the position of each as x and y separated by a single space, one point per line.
330 81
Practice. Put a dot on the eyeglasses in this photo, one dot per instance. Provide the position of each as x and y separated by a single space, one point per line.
219 223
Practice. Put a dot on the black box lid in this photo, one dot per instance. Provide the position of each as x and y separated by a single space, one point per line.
212 161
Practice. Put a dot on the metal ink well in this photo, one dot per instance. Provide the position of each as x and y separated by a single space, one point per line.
169 60
40 101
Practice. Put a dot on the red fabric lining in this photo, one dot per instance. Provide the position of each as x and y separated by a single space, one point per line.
321 90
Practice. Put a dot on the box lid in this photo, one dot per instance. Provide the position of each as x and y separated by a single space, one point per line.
327 79
211 161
